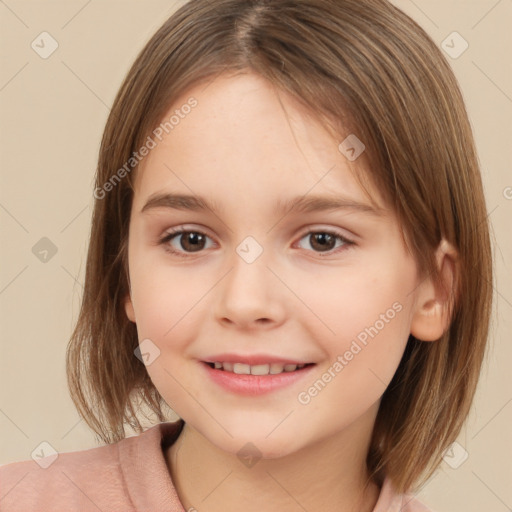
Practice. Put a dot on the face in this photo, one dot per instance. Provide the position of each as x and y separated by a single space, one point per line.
230 300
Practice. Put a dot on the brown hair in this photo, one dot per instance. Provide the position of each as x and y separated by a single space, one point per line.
363 67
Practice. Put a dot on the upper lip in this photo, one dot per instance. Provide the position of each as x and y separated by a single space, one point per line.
252 359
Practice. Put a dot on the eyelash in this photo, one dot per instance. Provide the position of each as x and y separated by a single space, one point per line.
179 231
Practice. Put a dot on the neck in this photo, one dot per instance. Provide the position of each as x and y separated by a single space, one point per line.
329 475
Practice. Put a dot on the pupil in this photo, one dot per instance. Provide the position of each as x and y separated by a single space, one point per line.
193 239
324 240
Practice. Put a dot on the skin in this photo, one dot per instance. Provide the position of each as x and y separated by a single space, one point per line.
240 149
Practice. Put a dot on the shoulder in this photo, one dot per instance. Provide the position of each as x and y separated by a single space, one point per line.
412 504
390 501
71 479
128 475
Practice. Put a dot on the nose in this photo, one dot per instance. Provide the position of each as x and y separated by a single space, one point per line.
251 296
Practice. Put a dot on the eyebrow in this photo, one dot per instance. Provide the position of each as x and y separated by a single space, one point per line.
299 204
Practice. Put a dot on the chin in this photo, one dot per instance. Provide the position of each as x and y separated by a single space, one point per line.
254 441
266 434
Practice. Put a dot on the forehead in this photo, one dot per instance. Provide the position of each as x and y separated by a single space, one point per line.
245 135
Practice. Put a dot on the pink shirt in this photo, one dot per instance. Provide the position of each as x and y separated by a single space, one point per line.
130 475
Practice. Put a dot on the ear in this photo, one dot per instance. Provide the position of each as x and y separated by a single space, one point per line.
433 308
128 307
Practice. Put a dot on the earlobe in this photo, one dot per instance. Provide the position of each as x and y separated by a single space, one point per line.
434 301
128 307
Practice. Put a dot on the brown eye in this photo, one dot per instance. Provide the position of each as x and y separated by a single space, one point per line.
187 242
192 241
322 241
326 241
183 242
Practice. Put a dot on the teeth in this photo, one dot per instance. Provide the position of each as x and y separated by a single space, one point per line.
241 369
276 368
260 369
257 369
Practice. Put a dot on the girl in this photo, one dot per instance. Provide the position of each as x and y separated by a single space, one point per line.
290 249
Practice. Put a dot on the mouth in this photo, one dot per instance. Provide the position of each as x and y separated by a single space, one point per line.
256 379
256 369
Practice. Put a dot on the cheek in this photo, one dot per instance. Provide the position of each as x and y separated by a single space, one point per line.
163 300
368 313
168 310
168 318
361 299
371 326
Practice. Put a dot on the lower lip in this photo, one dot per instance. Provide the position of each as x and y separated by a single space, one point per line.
255 384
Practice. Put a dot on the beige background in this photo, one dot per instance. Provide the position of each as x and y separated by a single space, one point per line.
53 113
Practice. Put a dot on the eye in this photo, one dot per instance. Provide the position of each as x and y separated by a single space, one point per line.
189 240
181 242
325 241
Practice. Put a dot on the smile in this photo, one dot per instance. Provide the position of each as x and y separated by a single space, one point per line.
255 379
257 369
